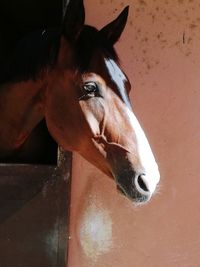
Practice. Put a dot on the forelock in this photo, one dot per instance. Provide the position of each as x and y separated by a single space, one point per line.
91 43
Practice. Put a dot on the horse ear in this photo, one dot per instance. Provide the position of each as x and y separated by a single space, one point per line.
74 19
113 30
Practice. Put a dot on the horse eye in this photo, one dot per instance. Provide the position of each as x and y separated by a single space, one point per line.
90 88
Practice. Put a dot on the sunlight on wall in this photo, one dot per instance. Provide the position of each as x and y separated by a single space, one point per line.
95 231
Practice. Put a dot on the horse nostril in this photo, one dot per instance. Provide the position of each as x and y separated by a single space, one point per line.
141 183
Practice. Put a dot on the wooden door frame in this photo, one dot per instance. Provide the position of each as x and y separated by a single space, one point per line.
15 177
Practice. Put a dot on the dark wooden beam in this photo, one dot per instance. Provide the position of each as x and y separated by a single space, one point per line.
34 213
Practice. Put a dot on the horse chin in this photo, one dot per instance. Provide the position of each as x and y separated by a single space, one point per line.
134 197
121 169
129 190
126 188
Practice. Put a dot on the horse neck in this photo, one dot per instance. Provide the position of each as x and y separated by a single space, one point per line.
21 109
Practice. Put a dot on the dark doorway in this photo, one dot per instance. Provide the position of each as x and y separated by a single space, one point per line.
35 180
39 148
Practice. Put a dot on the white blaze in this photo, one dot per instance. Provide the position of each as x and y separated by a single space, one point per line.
147 161
146 157
118 77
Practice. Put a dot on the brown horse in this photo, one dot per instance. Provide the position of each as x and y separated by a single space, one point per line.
72 78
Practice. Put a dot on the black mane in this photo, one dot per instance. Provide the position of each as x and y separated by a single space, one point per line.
24 50
29 56
90 41
38 51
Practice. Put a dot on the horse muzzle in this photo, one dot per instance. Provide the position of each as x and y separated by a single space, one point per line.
136 181
136 189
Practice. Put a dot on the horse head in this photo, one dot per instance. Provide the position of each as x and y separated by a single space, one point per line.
88 108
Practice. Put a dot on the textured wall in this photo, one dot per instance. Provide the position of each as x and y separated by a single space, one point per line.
160 54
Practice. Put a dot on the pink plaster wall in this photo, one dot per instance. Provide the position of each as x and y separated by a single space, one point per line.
160 52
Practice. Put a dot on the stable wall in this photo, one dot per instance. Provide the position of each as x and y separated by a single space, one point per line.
160 52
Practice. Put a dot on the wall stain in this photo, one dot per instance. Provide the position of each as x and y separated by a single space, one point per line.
188 54
192 26
131 23
142 2
171 20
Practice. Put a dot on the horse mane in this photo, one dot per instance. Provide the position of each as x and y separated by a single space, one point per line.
38 51
90 41
30 56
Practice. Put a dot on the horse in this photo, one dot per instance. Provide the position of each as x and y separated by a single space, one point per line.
71 77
